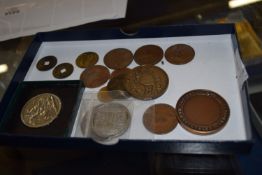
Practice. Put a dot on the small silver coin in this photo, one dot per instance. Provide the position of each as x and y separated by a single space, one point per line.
110 120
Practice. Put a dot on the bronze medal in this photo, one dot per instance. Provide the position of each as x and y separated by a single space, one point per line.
118 58
87 59
202 112
95 76
63 70
40 110
146 82
160 118
46 63
148 54
179 54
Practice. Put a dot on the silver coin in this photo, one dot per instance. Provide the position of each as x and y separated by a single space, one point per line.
110 120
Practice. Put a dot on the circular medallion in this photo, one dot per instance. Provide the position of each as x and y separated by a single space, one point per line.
148 54
87 59
40 110
160 118
146 82
46 63
95 76
110 120
179 54
63 70
202 112
118 58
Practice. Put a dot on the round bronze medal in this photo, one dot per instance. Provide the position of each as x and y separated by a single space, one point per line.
202 112
118 58
40 110
104 95
63 70
95 76
118 72
160 118
179 54
148 54
146 82
46 63
87 59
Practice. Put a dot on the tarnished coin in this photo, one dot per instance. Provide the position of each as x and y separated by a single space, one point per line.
146 82
110 120
202 112
40 110
63 70
95 76
117 88
179 54
117 72
160 118
148 54
103 95
46 63
87 59
118 58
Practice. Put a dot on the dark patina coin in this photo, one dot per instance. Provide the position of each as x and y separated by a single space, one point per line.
118 58
63 70
160 118
87 59
146 82
148 54
179 54
46 63
95 76
202 112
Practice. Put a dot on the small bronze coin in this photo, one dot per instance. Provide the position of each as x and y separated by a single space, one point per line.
146 82
148 54
117 88
202 112
40 110
63 70
95 76
118 58
179 54
87 59
103 95
160 118
118 72
46 63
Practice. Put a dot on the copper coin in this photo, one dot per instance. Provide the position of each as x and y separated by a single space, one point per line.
179 54
146 82
202 112
118 72
95 76
118 58
86 59
160 118
46 63
148 54
117 88
104 95
63 70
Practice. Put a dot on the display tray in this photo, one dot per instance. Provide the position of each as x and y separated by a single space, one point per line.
216 66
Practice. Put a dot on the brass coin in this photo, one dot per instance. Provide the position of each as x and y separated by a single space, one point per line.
46 63
179 54
146 82
95 76
118 72
202 112
160 118
148 54
104 95
63 70
87 59
117 88
118 58
40 110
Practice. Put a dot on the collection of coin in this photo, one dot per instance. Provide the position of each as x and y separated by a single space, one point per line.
198 111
